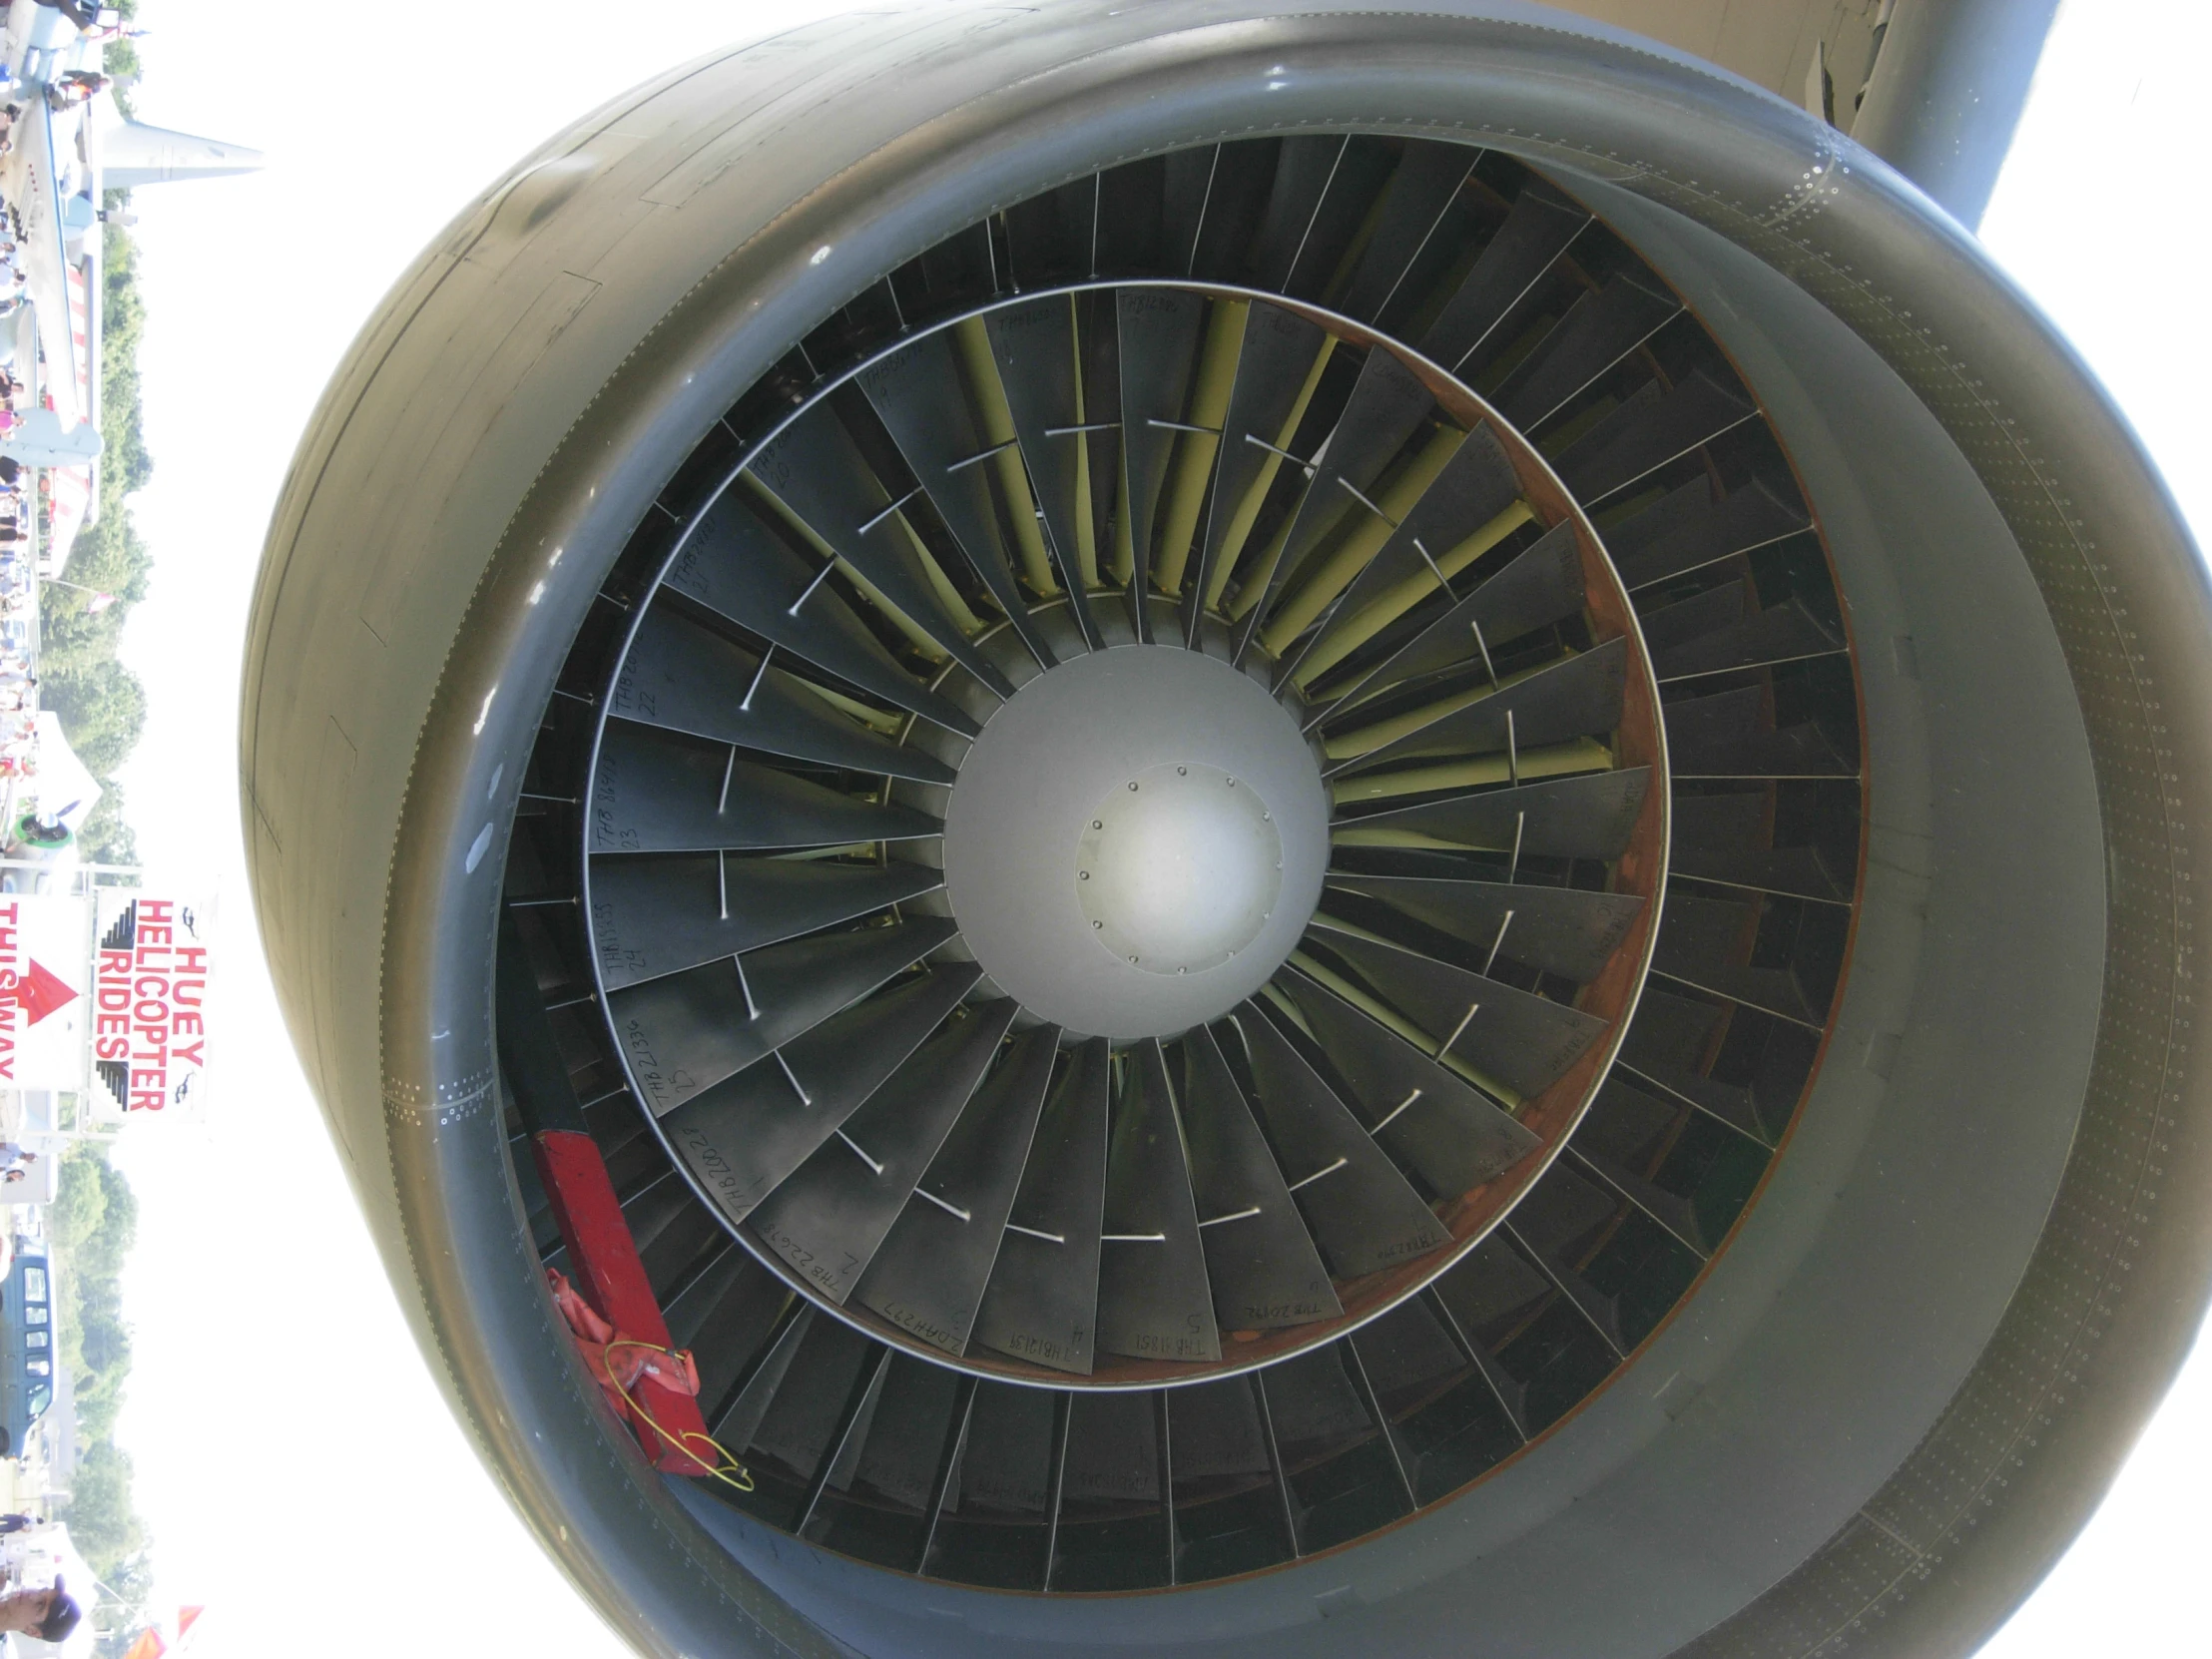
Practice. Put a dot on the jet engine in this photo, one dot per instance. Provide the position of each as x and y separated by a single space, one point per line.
1320 829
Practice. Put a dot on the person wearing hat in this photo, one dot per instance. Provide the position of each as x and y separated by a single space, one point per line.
49 1614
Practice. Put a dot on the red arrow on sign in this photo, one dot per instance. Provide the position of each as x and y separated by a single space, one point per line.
39 992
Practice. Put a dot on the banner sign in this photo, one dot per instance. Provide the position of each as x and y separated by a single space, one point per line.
150 1027
45 943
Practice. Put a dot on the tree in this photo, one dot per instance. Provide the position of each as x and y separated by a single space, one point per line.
125 1610
102 1523
90 1229
104 836
100 704
81 1201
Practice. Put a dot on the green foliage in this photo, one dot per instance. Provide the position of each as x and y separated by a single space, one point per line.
128 1609
122 60
106 839
101 703
81 1204
91 1226
101 708
93 1220
102 1523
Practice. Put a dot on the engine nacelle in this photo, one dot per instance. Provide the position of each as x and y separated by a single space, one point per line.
1378 823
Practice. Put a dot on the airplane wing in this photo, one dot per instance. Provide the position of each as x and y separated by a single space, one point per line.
45 261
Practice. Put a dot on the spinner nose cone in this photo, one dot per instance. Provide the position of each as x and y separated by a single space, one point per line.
1136 842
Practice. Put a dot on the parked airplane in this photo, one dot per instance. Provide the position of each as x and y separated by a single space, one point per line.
71 147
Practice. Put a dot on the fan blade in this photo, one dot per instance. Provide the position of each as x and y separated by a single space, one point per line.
1665 1049
1411 1362
1675 1214
1276 371
653 916
1543 585
1647 432
1513 262
1159 333
929 1276
1524 1041
1389 403
1577 697
1551 1225
1114 1531
1726 837
688 1031
1727 735
1704 943
1340 1472
1455 1138
917 394
1153 1299
1227 1505
1176 531
816 473
1098 342
880 1495
1183 198
746 1134
1782 632
1363 1213
681 677
995 1524
1667 627
1511 1395
1629 1126
737 567
1598 331
1033 346
1565 930
1042 1300
1260 1260
1428 177
651 794
1456 520
1303 170
1237 180
1590 816
828 1219
730 1324
1688 530
1489 1286
797 1430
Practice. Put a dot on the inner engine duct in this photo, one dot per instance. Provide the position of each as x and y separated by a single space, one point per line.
1683 703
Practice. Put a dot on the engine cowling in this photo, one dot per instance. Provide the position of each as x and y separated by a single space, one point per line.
1376 822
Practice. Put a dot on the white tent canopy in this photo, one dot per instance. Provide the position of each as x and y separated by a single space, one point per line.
64 786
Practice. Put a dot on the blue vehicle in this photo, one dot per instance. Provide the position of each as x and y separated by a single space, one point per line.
26 1351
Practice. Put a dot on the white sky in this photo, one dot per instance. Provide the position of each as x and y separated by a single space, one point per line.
331 1504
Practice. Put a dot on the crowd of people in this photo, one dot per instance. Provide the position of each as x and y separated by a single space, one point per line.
19 584
18 577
